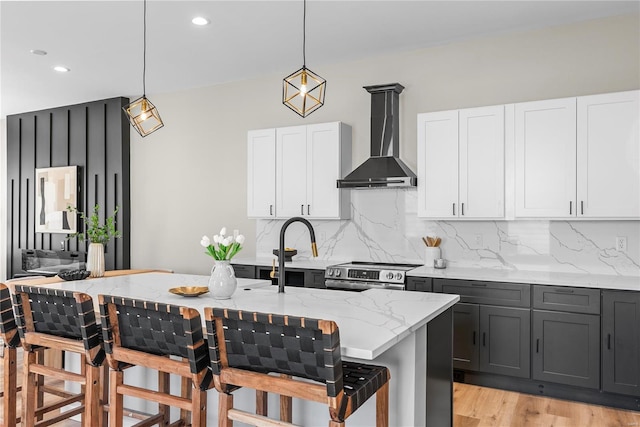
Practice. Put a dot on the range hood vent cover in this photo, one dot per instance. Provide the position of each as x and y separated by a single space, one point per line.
384 168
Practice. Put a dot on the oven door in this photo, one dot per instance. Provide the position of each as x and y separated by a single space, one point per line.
356 285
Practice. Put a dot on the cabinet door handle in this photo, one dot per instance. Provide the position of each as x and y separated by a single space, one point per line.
570 208
474 338
301 209
484 339
538 345
564 291
308 209
270 209
462 209
454 209
581 207
608 341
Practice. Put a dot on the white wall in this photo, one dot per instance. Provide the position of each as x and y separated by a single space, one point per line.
189 178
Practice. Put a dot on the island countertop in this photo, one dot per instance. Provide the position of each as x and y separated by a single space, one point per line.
370 322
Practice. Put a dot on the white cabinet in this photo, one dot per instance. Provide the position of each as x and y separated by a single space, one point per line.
578 157
608 146
261 173
461 164
545 156
307 160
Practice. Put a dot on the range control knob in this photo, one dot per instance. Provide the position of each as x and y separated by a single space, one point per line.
398 276
330 272
389 275
338 273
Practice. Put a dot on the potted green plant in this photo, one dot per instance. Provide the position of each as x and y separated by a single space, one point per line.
98 235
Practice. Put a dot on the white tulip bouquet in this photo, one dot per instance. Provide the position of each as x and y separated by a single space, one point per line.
223 247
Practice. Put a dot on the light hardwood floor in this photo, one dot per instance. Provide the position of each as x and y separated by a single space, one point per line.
486 407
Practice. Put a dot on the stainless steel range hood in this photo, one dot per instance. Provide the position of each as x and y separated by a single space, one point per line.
384 168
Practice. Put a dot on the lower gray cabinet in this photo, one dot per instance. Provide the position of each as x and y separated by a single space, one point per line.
621 342
245 271
466 329
420 284
314 279
566 348
505 340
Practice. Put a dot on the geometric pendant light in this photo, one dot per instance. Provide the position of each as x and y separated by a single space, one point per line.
142 114
303 91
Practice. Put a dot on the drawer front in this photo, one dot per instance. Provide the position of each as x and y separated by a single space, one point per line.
314 279
564 298
492 293
420 284
245 271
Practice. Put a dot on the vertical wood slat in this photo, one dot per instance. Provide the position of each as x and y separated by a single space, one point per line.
93 136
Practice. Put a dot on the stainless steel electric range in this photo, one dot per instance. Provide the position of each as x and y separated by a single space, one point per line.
359 276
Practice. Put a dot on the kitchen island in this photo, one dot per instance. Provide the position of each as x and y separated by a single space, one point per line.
409 332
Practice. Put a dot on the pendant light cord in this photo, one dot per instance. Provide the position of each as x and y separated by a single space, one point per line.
144 50
304 34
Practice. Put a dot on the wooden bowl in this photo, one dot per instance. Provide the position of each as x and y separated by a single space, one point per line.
189 291
73 274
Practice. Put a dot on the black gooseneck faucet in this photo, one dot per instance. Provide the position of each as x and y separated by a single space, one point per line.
314 248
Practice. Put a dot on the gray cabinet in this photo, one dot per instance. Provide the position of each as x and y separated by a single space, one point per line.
505 334
420 284
566 348
491 326
245 271
621 342
314 279
466 330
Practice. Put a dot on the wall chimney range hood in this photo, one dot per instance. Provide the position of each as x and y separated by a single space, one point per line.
384 168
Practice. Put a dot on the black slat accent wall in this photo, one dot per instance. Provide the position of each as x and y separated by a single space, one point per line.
93 136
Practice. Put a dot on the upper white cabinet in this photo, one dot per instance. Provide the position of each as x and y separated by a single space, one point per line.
307 162
545 156
461 164
261 173
578 157
608 148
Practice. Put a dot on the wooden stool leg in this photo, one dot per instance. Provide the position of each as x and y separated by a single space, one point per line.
382 406
29 390
115 399
262 403
286 409
198 408
225 402
40 360
163 387
104 393
185 391
92 409
9 401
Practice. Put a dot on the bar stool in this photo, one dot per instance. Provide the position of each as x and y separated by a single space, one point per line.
245 347
10 344
60 320
148 334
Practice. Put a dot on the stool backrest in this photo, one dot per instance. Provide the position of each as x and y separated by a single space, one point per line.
65 314
153 328
8 327
271 343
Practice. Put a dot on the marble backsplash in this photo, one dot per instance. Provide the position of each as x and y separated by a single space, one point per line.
384 227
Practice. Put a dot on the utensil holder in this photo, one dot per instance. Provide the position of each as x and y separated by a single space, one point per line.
431 253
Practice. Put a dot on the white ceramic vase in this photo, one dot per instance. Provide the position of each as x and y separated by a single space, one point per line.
95 260
223 282
431 253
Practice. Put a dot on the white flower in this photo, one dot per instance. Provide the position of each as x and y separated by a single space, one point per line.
216 239
205 241
240 239
227 241
223 232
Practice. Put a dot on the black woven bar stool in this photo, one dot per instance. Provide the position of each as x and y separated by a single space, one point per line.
60 320
245 347
10 344
143 333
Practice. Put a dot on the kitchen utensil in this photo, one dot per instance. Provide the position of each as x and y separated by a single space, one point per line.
437 242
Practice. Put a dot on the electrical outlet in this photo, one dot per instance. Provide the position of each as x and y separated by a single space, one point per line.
621 243
479 240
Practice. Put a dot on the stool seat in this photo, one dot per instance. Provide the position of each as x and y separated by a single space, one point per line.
361 381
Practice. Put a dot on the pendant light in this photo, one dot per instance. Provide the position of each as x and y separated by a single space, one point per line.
303 91
142 114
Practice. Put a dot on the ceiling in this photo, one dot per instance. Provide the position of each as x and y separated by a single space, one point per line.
101 41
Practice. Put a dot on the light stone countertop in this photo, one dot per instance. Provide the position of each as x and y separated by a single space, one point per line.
611 282
370 322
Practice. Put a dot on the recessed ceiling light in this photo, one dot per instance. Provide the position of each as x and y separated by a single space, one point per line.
38 52
200 21
61 69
